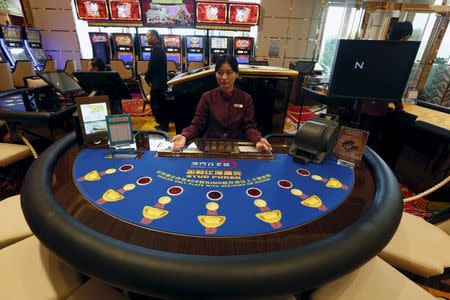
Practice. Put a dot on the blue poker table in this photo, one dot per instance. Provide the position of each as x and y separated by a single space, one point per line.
204 228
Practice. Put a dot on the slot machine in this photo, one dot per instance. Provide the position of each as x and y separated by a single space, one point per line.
100 46
243 49
123 48
195 48
172 46
218 45
145 51
33 44
12 44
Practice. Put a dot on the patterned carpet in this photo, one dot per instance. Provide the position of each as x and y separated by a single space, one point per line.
293 114
134 107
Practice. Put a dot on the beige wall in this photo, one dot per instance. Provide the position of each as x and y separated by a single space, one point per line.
294 25
55 21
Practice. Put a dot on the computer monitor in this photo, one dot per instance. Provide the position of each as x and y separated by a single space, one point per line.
105 83
304 67
92 112
61 82
372 70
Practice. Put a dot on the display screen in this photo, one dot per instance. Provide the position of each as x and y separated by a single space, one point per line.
39 55
143 40
365 69
169 15
61 81
33 36
92 9
99 37
244 14
219 43
209 12
146 55
172 41
19 54
123 40
173 57
125 10
243 59
11 33
194 42
94 117
127 57
243 43
195 57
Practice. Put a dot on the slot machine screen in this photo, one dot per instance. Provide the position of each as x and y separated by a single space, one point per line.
19 54
127 57
123 40
243 44
194 42
146 55
143 40
39 54
171 41
243 59
11 33
219 43
195 57
33 36
173 57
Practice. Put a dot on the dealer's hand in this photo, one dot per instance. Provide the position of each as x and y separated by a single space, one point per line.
263 145
178 142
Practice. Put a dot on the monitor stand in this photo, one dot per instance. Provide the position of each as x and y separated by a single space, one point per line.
357 108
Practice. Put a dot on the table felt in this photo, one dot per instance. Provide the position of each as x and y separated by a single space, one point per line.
198 177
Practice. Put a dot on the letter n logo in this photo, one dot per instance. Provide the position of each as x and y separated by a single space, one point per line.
359 65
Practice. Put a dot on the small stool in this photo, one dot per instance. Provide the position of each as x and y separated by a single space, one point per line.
94 289
30 271
418 247
13 227
11 153
374 280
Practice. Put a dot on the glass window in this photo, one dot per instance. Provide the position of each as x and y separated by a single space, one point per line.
330 36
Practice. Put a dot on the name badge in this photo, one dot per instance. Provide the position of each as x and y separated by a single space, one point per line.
237 105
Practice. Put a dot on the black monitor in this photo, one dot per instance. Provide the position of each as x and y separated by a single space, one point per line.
61 82
372 70
105 83
304 67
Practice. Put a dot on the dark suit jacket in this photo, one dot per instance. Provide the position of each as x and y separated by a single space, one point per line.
156 74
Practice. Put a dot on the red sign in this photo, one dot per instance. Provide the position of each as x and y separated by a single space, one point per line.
244 14
126 10
209 12
92 9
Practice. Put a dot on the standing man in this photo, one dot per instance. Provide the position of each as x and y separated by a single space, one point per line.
156 77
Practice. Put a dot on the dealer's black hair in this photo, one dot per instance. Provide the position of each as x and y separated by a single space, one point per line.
231 60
